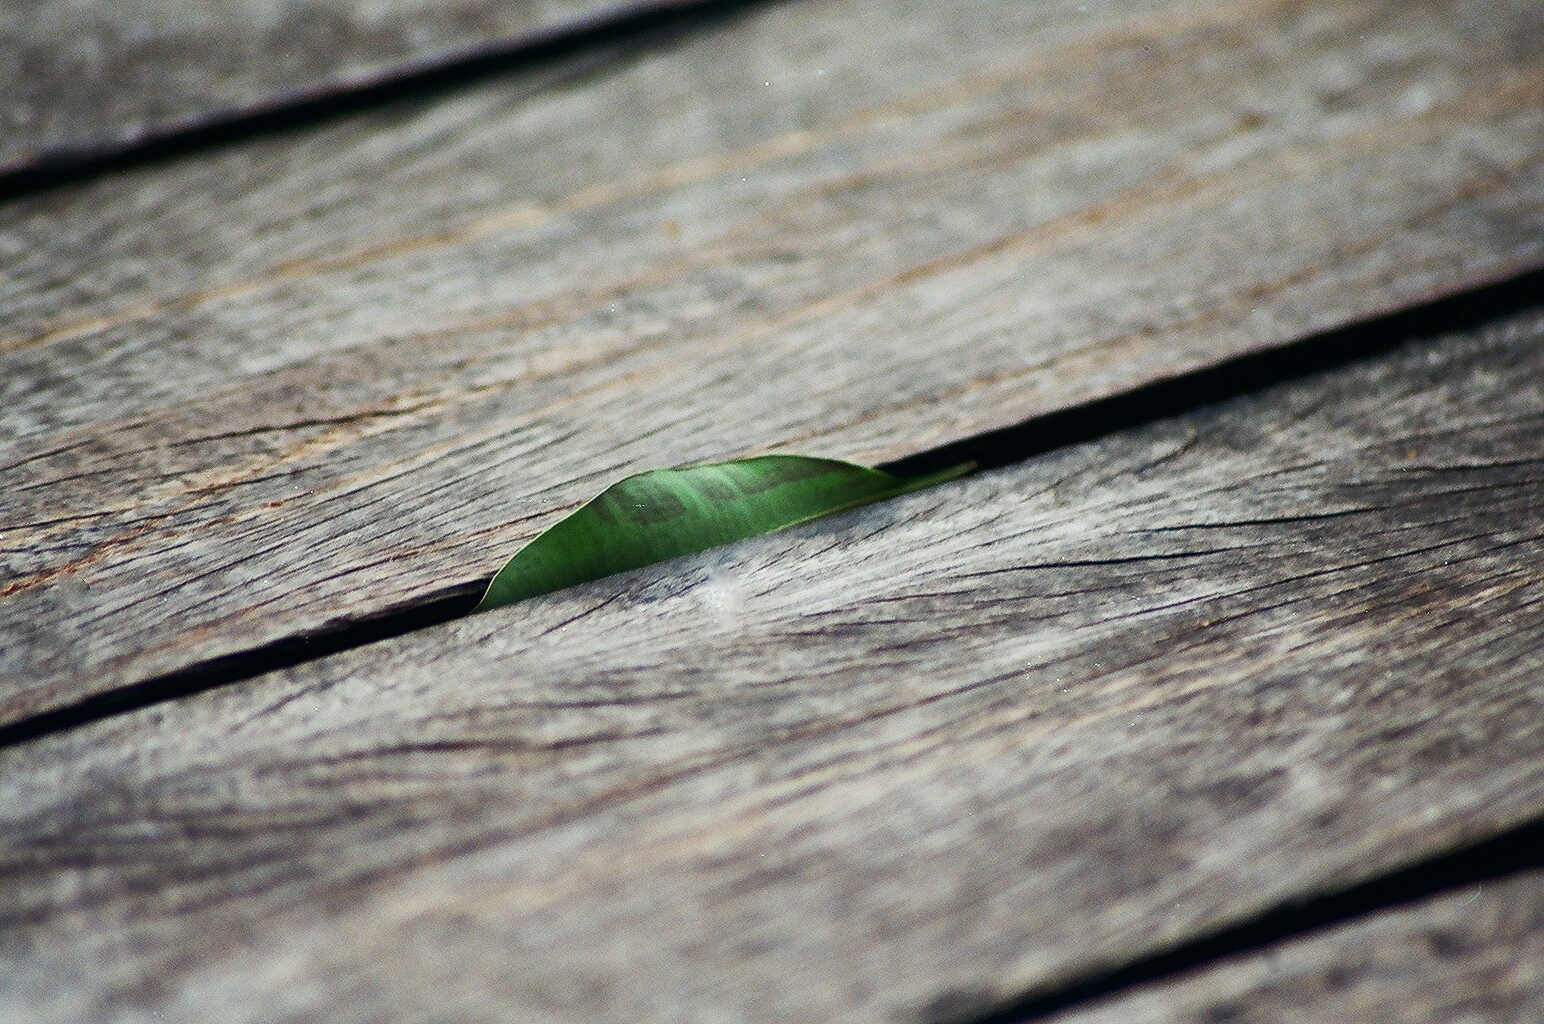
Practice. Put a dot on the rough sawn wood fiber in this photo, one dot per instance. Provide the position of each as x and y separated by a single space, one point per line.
928 754
314 379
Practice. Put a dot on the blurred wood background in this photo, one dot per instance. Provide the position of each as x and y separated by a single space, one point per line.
937 759
83 79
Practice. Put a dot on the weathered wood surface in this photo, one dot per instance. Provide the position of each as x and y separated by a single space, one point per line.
980 739
319 378
1476 955
79 78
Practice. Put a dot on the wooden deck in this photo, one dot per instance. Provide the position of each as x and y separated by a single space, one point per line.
1063 740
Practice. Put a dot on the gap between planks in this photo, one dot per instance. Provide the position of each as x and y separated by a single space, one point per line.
144 138
1137 692
1114 414
1471 955
1517 851
314 400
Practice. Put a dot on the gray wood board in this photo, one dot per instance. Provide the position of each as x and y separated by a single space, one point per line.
1475 955
985 738
319 378
81 78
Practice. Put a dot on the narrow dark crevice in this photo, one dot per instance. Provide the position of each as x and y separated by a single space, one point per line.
1520 849
603 37
1234 378
1077 425
1515 851
234 668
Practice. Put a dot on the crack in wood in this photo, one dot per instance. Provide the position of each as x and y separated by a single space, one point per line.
1517 850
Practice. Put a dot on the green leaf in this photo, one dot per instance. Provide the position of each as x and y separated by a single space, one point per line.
666 513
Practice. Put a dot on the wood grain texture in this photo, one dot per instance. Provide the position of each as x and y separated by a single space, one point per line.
1476 955
936 751
79 78
324 377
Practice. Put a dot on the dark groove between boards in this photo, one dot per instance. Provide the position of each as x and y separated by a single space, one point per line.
1512 852
234 668
617 32
1230 379
1107 416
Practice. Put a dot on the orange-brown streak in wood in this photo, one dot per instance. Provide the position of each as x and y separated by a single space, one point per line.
1518 92
688 172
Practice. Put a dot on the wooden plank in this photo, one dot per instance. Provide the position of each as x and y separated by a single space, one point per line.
1475 955
81 79
981 739
368 361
